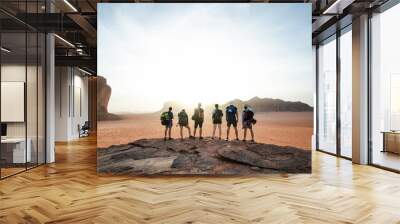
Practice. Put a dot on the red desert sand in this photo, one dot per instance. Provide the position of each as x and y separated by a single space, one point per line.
280 128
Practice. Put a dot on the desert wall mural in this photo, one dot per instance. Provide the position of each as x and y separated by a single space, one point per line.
208 89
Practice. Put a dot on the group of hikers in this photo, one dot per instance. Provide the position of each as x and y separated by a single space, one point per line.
231 114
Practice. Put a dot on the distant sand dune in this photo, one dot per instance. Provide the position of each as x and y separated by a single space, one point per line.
280 128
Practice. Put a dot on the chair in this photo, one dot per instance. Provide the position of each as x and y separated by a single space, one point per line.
84 130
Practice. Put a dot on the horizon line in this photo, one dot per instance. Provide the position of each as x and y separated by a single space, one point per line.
207 104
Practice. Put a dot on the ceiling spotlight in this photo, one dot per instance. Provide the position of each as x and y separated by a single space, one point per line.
70 5
5 50
79 51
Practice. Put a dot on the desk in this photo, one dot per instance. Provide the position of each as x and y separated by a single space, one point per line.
391 141
13 150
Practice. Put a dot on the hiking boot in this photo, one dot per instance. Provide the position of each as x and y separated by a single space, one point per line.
227 139
244 140
201 138
192 137
169 138
237 139
252 140
165 139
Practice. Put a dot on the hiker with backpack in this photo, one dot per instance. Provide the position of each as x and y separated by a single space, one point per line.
166 120
247 122
183 121
232 117
198 118
217 120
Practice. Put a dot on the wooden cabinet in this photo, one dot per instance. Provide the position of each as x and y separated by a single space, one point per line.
391 142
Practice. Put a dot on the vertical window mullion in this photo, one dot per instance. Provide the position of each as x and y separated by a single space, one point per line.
26 86
369 90
338 81
0 95
37 90
317 97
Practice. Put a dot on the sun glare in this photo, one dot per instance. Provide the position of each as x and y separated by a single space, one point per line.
201 54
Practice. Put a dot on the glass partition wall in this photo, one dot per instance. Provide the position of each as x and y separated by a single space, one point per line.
22 116
385 89
327 95
345 61
334 67
13 89
334 79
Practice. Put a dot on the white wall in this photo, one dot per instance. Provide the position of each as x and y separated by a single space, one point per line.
12 73
71 102
80 110
16 73
33 127
62 82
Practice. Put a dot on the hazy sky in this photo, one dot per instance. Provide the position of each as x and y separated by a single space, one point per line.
152 53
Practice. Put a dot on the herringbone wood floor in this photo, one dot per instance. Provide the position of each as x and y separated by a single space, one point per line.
70 191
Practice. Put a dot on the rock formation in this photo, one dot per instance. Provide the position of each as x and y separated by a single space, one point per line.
258 105
207 156
269 104
103 97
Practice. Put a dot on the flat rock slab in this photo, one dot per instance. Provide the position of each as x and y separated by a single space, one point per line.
206 156
148 166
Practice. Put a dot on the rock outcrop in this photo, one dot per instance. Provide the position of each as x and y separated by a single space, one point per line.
103 97
207 156
256 103
277 105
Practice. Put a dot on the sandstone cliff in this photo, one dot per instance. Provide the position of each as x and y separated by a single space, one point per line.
103 98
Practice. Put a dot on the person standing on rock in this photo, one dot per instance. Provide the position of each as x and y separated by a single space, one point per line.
166 120
198 117
232 117
247 122
217 120
183 121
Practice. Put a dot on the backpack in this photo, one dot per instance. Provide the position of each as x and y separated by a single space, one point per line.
198 114
164 118
231 113
217 115
248 115
183 118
